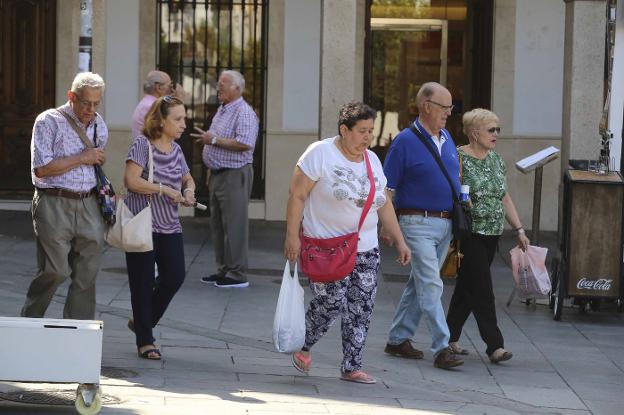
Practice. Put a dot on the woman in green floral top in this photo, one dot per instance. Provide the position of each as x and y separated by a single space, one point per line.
484 171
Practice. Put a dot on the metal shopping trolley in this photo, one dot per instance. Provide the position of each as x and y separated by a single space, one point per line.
53 350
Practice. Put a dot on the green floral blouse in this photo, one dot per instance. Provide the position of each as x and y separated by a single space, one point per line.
488 186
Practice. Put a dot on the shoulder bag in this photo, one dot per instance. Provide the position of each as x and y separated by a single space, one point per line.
106 195
462 221
452 262
332 259
133 233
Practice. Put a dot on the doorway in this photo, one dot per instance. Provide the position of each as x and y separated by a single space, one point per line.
27 85
410 42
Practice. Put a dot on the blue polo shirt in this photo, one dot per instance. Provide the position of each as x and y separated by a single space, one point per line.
414 174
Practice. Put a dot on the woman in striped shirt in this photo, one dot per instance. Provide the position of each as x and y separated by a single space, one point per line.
172 184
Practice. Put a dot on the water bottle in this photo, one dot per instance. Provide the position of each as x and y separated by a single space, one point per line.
464 195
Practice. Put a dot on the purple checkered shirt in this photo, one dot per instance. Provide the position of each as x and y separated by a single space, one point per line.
54 138
233 120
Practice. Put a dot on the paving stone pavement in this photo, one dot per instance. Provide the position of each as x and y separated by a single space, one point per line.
219 359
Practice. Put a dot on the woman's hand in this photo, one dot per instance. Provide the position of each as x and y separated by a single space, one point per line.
405 254
291 248
523 241
174 195
189 197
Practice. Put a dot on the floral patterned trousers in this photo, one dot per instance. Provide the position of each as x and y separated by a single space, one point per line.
351 298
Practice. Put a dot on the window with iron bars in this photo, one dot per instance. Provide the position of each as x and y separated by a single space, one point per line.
196 40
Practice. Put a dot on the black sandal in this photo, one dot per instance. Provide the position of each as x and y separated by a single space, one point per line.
147 354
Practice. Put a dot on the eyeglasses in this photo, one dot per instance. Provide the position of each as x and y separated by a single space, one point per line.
494 130
87 104
447 108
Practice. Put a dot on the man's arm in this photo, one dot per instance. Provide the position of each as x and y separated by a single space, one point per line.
44 163
208 138
62 165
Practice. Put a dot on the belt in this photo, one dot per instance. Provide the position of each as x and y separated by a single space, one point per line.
66 193
219 171
435 214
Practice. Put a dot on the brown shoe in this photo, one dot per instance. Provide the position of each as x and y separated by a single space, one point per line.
446 359
404 349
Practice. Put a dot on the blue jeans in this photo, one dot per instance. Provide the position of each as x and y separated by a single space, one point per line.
428 239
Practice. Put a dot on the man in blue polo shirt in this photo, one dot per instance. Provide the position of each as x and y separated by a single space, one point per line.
423 200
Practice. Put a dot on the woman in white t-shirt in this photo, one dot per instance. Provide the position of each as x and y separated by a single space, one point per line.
329 189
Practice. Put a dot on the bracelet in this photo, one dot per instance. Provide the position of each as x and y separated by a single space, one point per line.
519 230
214 140
187 189
159 189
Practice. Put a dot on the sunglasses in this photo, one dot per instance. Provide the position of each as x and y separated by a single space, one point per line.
494 130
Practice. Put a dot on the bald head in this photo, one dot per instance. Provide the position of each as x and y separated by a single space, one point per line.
434 106
427 92
157 83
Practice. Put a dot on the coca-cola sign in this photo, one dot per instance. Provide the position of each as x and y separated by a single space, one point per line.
600 284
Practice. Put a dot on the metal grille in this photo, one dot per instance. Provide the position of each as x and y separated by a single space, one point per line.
199 39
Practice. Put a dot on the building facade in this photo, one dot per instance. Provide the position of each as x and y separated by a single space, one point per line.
539 64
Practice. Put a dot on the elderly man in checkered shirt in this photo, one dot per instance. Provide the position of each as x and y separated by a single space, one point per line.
68 225
228 153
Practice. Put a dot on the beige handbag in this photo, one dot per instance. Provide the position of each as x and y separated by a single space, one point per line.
133 233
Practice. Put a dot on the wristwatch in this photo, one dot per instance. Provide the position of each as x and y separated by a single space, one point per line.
214 140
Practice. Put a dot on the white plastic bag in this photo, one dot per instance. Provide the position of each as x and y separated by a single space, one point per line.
289 323
529 271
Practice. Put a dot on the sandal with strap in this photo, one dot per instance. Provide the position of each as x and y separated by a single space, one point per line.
302 362
150 354
454 346
358 377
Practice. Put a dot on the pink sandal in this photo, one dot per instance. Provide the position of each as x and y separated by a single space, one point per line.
358 377
301 362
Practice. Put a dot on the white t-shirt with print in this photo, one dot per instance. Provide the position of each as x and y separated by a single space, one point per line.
336 201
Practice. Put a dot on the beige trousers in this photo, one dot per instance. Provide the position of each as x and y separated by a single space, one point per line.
70 238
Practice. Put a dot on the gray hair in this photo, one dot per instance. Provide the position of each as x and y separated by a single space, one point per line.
153 78
237 78
87 80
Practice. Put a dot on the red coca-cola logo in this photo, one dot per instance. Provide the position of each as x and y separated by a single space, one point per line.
601 284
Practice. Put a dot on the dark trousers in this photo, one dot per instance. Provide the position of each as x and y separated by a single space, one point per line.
229 219
474 294
149 303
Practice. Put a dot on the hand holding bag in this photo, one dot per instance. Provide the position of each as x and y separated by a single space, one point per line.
105 192
332 259
133 233
462 221
289 323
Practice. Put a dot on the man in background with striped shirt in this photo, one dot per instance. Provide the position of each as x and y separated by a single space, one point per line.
228 153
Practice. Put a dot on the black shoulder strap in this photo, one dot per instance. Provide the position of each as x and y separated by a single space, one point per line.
436 157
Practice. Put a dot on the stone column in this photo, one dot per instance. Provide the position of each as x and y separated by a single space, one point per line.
342 59
583 80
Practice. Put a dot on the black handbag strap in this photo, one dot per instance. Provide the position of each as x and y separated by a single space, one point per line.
437 158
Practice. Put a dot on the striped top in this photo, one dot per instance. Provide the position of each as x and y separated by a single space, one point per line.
235 120
53 138
169 168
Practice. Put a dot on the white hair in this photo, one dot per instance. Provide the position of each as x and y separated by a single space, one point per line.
237 78
87 80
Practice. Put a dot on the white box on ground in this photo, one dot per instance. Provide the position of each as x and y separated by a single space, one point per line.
50 350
